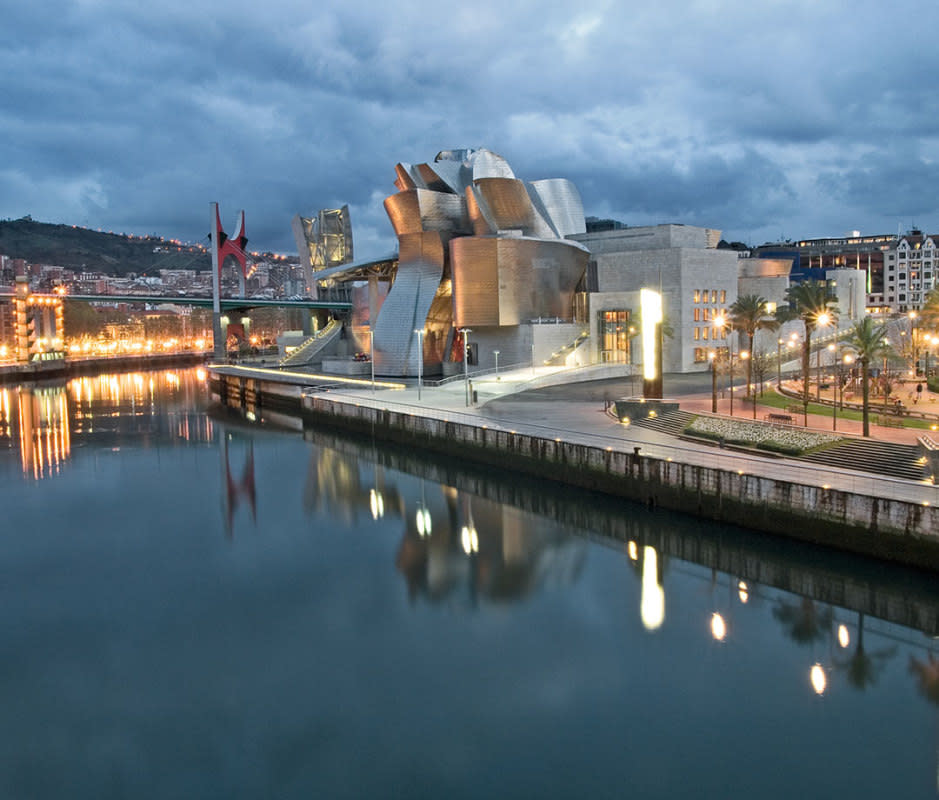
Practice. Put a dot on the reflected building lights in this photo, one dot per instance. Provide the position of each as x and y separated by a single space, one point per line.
376 503
718 627
844 638
652 605
743 592
469 539
818 678
633 549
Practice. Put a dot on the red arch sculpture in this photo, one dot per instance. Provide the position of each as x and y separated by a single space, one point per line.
226 246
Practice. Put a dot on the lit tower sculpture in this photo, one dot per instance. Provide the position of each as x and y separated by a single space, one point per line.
224 247
651 304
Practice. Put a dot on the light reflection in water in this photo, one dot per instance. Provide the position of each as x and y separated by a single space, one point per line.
41 421
652 607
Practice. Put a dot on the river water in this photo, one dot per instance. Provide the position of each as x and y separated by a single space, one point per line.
193 605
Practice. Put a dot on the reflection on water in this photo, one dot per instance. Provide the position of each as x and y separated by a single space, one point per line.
45 421
326 616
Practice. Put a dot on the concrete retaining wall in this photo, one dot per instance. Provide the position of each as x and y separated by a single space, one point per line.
892 529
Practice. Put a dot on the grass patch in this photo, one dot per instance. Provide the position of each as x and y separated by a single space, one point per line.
775 400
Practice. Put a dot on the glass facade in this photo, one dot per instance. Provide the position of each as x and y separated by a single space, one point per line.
615 332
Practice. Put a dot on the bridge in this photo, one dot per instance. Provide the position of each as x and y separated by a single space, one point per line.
227 303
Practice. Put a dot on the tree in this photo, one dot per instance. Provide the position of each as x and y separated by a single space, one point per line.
929 313
868 340
748 314
810 302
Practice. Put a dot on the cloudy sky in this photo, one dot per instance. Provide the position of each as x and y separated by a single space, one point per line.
768 119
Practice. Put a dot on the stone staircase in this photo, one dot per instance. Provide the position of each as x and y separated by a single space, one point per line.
865 455
671 422
882 458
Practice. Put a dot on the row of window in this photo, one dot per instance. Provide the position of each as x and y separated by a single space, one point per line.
706 332
710 296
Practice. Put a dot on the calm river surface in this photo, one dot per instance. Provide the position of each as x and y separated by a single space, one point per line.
194 606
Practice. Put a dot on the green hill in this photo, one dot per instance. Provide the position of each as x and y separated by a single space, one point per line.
81 248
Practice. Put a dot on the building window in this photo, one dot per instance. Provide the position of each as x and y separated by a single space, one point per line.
697 334
706 316
697 315
704 334
697 296
700 354
713 295
723 296
615 331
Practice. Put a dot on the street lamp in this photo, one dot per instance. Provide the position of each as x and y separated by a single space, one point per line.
779 344
721 323
371 352
496 354
420 359
821 321
743 356
712 357
466 332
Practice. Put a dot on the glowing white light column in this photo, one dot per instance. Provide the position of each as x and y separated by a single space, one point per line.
650 303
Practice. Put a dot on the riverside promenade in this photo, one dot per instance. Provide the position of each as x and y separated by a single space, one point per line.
571 408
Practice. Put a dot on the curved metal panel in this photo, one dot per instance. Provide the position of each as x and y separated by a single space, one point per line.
487 164
482 225
506 203
403 179
432 179
404 211
420 270
559 201
474 263
508 280
456 174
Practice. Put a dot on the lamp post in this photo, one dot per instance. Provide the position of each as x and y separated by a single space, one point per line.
913 353
712 357
723 324
821 321
496 354
466 332
744 355
420 359
779 344
371 353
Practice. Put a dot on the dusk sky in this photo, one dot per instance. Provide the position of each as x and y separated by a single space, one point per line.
767 120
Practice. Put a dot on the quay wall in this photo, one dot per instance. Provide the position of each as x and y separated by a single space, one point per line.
894 530
885 528
72 367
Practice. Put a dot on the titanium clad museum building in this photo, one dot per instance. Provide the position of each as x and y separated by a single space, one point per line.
498 270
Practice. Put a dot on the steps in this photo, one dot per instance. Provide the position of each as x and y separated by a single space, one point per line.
671 422
882 458
865 455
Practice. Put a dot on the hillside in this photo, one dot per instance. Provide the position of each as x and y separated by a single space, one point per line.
81 248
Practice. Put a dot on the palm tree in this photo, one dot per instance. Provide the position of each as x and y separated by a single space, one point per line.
930 310
748 314
811 302
868 340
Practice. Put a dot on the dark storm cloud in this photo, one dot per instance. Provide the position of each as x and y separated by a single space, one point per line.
753 118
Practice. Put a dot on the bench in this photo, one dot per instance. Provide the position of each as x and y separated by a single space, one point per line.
783 419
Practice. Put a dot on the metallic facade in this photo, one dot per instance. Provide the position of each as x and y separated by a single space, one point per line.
323 241
477 247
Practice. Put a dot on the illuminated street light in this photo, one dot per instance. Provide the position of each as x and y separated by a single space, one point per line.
420 359
712 357
466 332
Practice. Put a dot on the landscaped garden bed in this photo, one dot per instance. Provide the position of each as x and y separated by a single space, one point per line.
774 438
